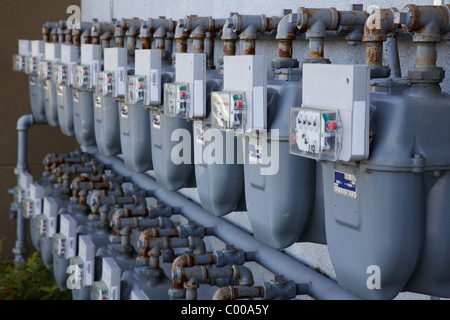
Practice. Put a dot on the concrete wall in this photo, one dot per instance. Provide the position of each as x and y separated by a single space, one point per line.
23 19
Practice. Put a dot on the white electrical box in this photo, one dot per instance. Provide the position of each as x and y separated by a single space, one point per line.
86 252
65 240
109 287
187 96
52 56
243 102
63 71
145 86
24 47
37 54
85 73
116 64
35 201
333 121
49 223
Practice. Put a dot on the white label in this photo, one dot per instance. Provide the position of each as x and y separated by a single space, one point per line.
155 89
96 68
37 206
258 109
88 274
71 251
124 112
255 153
51 230
199 106
98 101
75 97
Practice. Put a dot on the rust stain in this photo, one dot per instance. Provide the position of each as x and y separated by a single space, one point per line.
229 47
146 43
285 49
181 45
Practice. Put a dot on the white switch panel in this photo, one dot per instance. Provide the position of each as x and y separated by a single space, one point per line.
344 90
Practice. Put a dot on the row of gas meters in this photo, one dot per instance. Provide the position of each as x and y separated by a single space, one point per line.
334 155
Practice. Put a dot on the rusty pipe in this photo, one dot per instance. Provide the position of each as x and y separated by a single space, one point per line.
181 36
286 33
76 33
315 22
146 244
46 29
101 33
131 35
248 27
207 274
428 23
239 292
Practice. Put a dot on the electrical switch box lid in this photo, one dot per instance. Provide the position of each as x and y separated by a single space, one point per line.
248 75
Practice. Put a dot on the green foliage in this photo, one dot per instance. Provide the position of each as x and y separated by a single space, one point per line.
30 281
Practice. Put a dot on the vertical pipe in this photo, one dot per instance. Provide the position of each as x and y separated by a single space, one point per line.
391 55
23 124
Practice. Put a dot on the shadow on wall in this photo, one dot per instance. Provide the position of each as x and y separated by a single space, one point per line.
24 20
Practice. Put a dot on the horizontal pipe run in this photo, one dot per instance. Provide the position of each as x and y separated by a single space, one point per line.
322 288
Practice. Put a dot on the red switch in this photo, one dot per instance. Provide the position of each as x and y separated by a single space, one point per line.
239 104
85 72
182 94
332 125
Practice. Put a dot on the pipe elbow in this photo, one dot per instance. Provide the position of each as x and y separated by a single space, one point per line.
186 260
117 215
228 32
224 293
25 122
286 29
243 275
427 22
160 32
197 244
379 23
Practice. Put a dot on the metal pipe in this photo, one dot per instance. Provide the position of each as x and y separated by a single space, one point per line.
240 292
428 23
270 258
391 55
316 21
23 125
248 26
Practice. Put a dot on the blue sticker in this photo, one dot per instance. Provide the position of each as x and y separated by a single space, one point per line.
255 153
156 121
345 184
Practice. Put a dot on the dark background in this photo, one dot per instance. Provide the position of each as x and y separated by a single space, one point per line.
23 19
